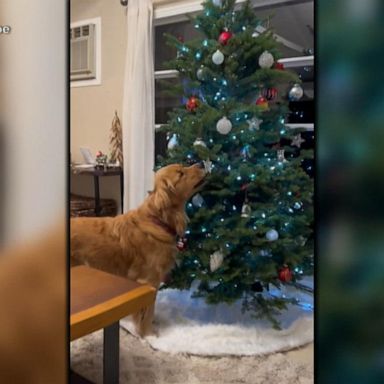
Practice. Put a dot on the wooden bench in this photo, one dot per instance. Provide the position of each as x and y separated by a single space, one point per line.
99 300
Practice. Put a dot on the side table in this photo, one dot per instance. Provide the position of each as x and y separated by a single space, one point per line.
97 173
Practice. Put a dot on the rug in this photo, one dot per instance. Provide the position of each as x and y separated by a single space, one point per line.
141 364
189 326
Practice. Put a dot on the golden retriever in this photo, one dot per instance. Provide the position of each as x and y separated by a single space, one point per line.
141 244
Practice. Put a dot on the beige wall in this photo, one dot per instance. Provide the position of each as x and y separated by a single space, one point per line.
92 107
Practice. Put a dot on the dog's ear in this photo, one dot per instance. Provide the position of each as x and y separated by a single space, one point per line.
161 194
180 220
169 185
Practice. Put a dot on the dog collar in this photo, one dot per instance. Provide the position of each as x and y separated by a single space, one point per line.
163 225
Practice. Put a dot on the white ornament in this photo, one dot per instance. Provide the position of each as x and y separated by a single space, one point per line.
218 57
265 253
296 92
199 141
272 235
207 165
280 156
172 143
215 260
266 60
218 3
200 74
224 126
197 200
245 210
254 124
297 141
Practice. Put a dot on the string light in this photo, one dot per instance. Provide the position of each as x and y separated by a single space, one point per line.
289 193
178 119
205 43
263 215
238 178
229 168
198 55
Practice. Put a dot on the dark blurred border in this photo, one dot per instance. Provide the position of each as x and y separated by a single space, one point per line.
350 186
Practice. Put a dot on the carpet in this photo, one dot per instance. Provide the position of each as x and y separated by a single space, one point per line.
140 364
190 326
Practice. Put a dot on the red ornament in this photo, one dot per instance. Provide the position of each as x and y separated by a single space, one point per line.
279 66
224 37
262 102
181 243
99 153
270 93
192 104
285 274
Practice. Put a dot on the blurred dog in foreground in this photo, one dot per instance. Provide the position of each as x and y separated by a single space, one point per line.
141 244
33 322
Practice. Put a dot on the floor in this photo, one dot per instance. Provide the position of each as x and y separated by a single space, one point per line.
140 364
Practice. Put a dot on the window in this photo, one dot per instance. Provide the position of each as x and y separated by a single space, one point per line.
292 22
85 54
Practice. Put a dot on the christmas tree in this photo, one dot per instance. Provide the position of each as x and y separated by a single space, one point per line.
251 225
116 141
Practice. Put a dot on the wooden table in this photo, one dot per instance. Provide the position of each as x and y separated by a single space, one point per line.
100 300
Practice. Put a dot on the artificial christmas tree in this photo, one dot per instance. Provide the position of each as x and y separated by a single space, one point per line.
250 226
116 141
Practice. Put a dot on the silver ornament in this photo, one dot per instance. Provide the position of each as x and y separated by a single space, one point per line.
172 143
265 253
297 141
207 165
216 260
199 141
218 57
197 200
200 74
296 92
224 126
245 210
272 235
266 60
280 156
254 124
297 205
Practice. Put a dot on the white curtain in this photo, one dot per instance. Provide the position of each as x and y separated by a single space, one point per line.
138 104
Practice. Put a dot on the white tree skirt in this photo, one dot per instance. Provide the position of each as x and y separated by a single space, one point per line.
189 325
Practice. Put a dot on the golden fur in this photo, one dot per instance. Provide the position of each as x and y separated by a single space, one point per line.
140 244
